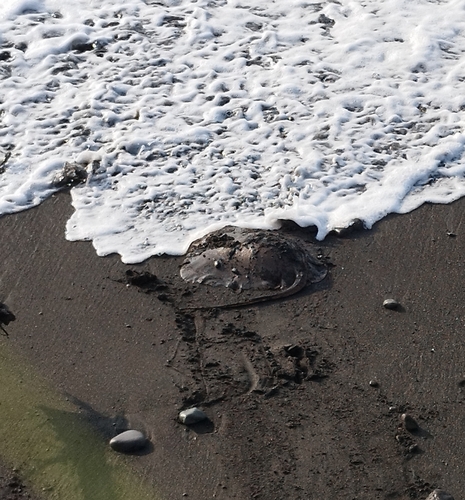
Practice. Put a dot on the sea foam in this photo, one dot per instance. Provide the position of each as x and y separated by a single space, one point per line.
192 115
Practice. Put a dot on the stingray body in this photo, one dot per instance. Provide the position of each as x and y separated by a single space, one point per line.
245 259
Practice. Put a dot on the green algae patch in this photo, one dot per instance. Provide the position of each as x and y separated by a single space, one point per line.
55 449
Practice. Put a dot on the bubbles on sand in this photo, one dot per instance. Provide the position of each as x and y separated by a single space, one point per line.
190 116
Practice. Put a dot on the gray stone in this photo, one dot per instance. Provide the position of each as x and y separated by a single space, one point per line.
413 448
128 441
410 423
192 416
70 175
440 495
391 304
343 232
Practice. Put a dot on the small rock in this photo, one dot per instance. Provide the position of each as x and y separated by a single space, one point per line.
410 423
6 316
391 304
373 383
440 495
326 20
294 351
70 175
192 416
343 232
128 441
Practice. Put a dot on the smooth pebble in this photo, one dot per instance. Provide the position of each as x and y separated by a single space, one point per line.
192 416
128 441
391 304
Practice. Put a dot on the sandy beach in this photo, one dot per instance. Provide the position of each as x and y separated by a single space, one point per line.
304 395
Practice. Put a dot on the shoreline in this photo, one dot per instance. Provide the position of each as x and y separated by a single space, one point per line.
126 356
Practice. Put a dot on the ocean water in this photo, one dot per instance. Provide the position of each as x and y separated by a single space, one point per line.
193 115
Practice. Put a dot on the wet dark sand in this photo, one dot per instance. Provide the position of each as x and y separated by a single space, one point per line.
298 424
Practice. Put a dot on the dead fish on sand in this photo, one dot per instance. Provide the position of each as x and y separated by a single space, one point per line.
246 259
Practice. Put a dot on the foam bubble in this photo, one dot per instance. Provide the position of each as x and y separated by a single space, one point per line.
19 7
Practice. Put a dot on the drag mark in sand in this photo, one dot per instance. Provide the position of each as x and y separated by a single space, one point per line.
51 445
216 365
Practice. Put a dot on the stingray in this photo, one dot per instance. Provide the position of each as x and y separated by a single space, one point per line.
246 259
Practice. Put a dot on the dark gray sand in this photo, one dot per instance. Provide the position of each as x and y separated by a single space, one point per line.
304 395
12 487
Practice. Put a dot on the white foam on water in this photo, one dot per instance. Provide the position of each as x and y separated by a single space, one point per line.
192 115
